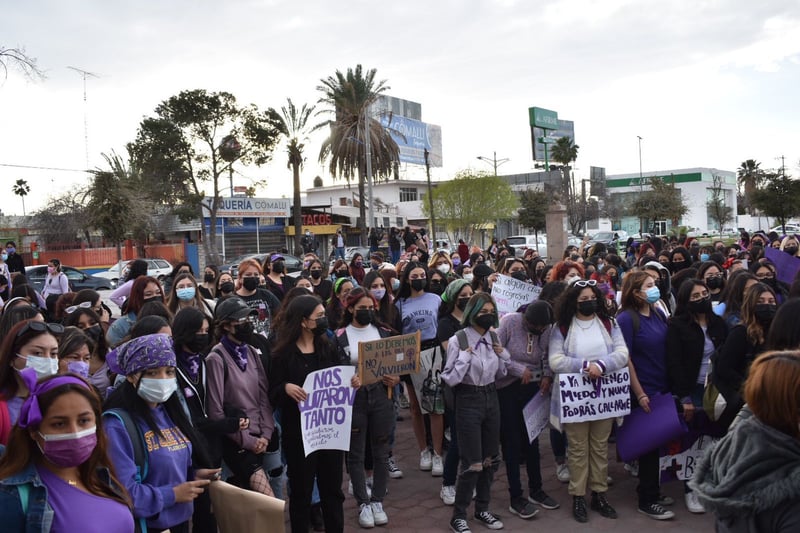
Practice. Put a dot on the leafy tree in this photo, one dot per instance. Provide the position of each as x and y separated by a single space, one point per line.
111 202
717 210
350 96
532 213
292 123
749 178
21 189
18 59
470 200
64 222
778 197
663 201
187 146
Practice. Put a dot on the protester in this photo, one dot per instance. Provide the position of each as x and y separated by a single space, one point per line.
55 284
14 261
56 474
143 290
750 479
258 298
586 340
74 353
317 272
277 282
224 286
186 293
207 287
133 270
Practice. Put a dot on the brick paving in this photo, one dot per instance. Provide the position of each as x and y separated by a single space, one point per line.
413 503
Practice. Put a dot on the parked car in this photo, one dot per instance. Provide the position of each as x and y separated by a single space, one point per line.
521 243
293 264
78 279
790 229
609 238
157 268
349 252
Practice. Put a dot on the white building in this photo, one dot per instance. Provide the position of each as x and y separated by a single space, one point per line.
695 185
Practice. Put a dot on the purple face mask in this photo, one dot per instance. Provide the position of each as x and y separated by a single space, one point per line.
69 449
79 367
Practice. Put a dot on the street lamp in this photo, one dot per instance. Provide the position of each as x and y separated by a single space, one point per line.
640 159
493 161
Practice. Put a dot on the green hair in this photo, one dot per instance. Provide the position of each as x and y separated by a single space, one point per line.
474 305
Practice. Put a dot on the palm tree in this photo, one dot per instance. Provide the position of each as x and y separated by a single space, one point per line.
292 123
21 189
565 151
351 95
749 177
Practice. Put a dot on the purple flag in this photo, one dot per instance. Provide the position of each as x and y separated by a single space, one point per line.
785 264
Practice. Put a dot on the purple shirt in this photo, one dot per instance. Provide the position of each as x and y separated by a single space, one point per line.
647 349
76 510
527 350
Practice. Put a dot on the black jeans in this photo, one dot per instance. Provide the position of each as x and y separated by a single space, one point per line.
478 428
649 477
373 410
514 438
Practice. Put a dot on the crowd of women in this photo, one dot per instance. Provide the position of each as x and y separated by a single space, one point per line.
138 415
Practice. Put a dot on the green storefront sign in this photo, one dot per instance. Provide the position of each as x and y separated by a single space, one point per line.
543 118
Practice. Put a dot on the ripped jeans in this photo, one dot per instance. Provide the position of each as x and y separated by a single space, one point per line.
478 428
372 409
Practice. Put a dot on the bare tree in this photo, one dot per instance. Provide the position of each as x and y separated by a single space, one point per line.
16 58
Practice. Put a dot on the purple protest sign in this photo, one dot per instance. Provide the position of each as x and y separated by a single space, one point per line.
326 414
786 265
644 432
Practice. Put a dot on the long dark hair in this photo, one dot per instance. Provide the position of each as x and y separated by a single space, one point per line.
405 283
298 309
784 332
9 348
682 299
186 324
136 268
23 450
567 305
99 348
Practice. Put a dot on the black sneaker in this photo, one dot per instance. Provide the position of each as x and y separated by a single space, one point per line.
601 505
579 509
489 520
656 511
522 508
665 500
543 500
459 525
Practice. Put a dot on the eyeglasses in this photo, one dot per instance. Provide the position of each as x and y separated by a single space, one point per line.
586 283
72 308
41 327
765 275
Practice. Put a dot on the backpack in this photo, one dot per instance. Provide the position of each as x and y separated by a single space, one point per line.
140 456
716 406
463 344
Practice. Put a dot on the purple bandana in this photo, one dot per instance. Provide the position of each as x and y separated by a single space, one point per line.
239 352
191 363
141 353
30 415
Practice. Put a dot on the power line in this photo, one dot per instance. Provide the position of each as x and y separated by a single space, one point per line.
44 168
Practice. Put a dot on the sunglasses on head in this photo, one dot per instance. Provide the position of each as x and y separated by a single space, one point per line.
41 327
83 305
586 283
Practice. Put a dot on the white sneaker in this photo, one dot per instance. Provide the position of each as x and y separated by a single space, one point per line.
632 468
425 460
365 517
378 514
437 466
562 473
394 471
350 488
693 504
448 494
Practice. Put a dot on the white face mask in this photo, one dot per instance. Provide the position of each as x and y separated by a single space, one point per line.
43 366
378 293
468 277
156 390
443 268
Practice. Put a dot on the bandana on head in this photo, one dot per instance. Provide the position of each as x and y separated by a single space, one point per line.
141 353
30 415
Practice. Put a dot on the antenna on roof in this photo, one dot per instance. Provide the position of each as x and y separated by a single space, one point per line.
85 74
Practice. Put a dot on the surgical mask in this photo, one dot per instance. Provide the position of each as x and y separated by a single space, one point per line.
185 294
485 321
468 277
209 278
11 250
3 256
226 286
587 307
250 283
43 366
69 450
703 257
378 293
456 262
364 316
395 284
51 270
359 264
79 367
156 390
443 268
653 294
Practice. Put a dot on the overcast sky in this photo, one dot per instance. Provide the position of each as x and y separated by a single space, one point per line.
703 82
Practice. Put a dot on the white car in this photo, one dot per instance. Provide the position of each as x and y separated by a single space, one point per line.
157 268
520 243
791 229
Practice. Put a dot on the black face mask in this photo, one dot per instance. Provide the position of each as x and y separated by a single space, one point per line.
765 313
243 331
485 321
436 287
250 283
226 287
153 299
418 284
587 307
716 282
322 326
278 267
209 278
94 332
791 250
461 303
342 273
679 265
316 274
520 275
363 316
197 343
700 306
770 282
536 330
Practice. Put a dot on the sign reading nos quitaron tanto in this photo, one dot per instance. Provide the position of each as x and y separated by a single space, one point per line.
327 412
391 356
242 207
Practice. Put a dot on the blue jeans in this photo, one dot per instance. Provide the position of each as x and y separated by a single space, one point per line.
395 255
514 438
338 254
478 428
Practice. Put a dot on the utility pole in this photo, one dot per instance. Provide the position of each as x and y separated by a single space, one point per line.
430 193
85 74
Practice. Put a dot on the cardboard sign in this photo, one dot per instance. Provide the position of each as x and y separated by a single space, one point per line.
510 294
581 399
326 414
392 356
683 463
537 415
